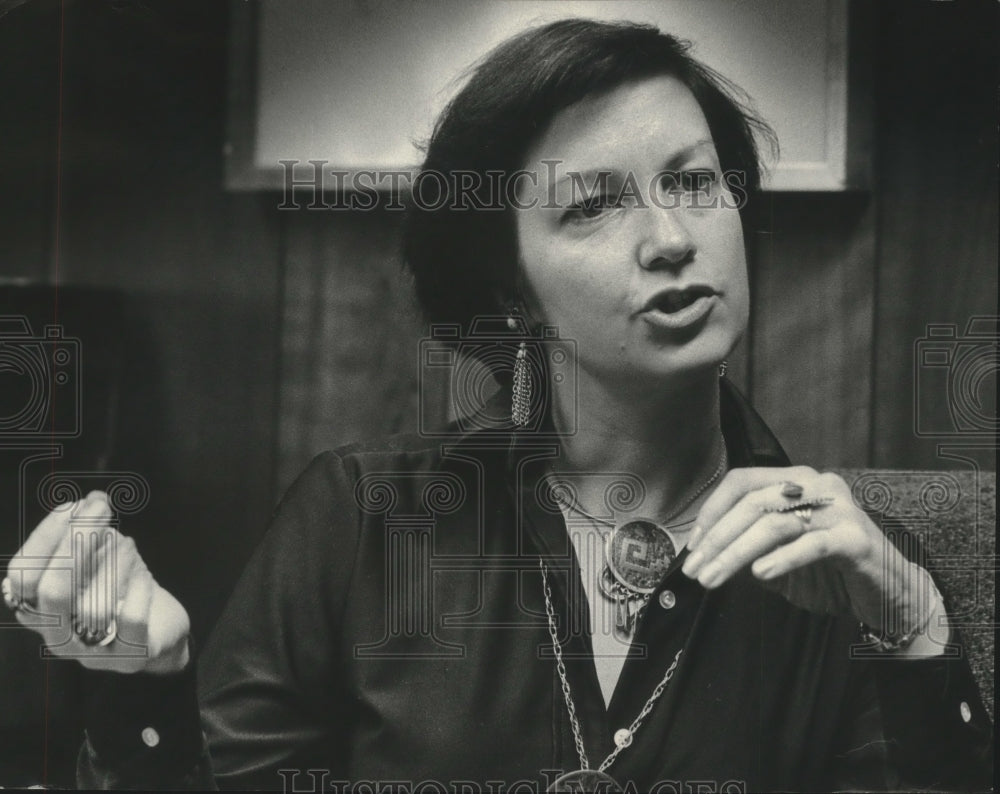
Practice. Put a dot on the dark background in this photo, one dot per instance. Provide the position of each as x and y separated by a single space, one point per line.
112 128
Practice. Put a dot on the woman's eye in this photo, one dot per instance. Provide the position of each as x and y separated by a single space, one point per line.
592 207
701 180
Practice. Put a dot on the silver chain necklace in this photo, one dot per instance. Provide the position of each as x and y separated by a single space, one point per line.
623 738
573 504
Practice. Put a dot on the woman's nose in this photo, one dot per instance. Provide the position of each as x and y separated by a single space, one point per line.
667 243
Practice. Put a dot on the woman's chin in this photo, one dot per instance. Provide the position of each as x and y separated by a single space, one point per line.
699 359
657 376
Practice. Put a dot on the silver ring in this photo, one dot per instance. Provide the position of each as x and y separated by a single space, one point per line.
110 633
805 514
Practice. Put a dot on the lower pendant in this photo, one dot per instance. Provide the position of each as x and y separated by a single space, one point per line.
585 781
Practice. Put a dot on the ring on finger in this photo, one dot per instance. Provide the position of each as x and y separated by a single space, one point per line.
110 633
791 490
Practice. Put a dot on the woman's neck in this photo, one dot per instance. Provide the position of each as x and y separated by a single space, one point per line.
668 437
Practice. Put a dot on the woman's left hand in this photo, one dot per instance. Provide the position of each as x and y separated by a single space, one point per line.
831 559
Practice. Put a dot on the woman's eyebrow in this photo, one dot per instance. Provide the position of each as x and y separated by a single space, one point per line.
681 155
592 174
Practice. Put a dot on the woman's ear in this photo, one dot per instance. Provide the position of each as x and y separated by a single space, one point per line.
527 303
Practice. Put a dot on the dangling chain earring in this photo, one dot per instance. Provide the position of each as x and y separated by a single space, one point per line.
520 407
723 367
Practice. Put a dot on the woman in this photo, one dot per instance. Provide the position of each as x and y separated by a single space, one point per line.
435 611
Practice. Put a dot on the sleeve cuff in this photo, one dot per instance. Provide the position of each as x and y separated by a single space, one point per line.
934 716
152 720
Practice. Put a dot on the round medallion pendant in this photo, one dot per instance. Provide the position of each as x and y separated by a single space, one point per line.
638 554
585 781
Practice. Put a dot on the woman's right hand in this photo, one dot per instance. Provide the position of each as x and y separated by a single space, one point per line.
82 586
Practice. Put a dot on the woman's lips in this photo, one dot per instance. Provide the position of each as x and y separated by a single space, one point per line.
682 318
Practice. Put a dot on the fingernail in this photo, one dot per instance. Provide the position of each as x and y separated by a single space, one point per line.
9 598
791 490
710 574
692 564
695 538
762 569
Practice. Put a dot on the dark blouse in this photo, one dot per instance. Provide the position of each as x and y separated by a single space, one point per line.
390 631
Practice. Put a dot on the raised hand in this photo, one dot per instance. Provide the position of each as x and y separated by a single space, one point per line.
84 588
802 535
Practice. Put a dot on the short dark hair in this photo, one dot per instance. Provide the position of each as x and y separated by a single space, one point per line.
464 262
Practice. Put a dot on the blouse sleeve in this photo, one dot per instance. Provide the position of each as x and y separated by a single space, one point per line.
914 724
270 704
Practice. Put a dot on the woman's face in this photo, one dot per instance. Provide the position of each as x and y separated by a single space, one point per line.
648 277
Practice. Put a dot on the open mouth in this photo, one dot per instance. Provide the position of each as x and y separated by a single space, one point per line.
671 301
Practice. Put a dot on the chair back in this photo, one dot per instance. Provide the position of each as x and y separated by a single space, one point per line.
953 513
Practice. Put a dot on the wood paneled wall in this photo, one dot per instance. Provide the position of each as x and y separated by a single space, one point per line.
847 284
351 337
813 313
937 229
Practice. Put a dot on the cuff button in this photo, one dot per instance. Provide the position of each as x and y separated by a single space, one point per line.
965 711
150 737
